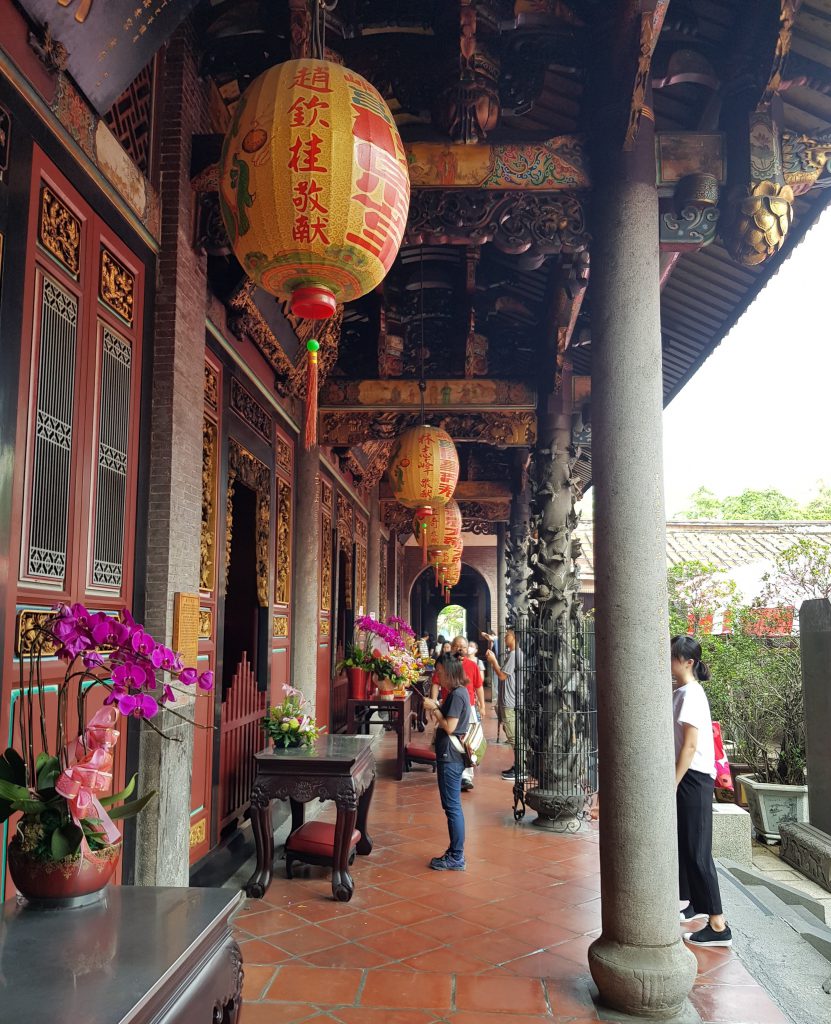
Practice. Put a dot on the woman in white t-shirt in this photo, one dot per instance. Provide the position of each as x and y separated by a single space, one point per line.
695 774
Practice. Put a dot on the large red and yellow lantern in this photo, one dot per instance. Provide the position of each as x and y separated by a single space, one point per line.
423 469
314 188
437 531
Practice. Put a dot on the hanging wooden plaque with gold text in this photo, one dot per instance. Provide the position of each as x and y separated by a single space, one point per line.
186 627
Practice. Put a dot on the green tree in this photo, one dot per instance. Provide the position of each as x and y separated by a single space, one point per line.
697 590
819 507
705 505
800 572
761 505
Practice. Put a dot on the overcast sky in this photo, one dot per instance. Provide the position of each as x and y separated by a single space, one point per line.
758 412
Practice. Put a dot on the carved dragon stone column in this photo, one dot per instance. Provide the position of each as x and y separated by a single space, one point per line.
516 546
556 720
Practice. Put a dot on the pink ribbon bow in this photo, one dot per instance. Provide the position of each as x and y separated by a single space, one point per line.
91 775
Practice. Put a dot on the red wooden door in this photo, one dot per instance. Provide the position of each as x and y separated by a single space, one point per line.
74 494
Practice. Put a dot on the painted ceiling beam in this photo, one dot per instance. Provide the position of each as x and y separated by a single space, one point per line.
392 395
554 165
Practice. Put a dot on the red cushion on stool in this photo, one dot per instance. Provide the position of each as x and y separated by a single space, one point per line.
317 837
423 753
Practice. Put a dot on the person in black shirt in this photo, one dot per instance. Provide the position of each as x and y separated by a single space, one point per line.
452 719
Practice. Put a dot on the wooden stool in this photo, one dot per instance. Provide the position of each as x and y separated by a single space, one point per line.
414 754
314 843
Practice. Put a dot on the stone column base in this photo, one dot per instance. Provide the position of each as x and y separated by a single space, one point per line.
808 850
643 981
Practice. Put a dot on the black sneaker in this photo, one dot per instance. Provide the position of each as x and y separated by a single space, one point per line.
467 785
708 936
447 863
688 914
509 774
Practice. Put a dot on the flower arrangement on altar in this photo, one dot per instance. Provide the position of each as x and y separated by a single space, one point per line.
66 843
288 724
373 639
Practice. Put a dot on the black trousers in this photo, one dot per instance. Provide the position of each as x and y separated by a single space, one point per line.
697 878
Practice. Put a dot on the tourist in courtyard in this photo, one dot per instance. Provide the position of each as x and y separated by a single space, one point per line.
452 717
474 682
505 671
473 655
695 775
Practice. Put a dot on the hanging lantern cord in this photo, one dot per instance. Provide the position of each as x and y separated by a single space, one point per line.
422 383
319 11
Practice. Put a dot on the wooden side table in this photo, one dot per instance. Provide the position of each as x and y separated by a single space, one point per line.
359 715
339 768
142 955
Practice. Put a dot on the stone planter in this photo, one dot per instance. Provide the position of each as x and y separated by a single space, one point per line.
770 804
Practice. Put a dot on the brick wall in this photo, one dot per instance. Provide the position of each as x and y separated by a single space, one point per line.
175 505
175 455
483 559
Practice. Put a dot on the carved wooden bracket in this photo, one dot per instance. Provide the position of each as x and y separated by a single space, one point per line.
532 224
344 429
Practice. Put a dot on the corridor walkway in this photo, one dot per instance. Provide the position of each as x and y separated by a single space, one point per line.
503 943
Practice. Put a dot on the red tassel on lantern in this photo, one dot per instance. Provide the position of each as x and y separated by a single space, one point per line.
310 435
420 520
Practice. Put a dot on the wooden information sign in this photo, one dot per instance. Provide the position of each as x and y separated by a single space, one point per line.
186 627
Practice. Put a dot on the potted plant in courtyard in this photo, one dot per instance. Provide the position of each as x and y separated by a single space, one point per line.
766 719
289 724
66 844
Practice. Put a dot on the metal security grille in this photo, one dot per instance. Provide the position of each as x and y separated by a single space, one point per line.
49 510
113 439
556 724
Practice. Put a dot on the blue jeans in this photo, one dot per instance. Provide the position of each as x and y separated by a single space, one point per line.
449 774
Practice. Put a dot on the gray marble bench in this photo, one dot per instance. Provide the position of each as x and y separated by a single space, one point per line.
141 956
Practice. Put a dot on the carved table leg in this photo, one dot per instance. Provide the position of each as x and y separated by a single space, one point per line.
342 884
259 882
298 815
400 728
365 845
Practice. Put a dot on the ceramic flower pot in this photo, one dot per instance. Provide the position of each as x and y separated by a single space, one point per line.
72 881
385 689
359 679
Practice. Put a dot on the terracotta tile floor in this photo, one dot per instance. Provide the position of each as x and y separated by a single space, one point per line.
504 943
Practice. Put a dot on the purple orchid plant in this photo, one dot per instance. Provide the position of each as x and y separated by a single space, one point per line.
63 788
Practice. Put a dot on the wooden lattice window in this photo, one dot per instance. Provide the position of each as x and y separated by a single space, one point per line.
52 456
130 118
113 444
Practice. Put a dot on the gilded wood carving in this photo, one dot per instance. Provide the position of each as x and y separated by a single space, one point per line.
59 231
382 582
250 411
283 454
207 553
243 466
116 286
211 388
280 626
326 562
282 575
206 623
345 429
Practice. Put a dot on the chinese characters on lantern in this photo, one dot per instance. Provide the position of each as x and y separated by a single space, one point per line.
309 110
382 187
